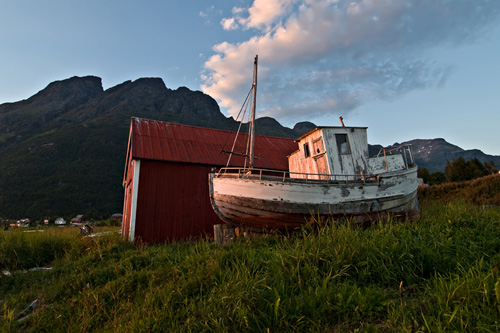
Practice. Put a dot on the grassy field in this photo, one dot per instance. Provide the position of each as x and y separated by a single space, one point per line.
437 273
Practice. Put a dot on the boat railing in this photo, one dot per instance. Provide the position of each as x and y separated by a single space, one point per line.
296 177
405 150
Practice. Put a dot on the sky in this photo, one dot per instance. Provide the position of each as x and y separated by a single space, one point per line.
405 69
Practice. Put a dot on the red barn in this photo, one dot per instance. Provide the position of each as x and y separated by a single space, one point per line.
166 177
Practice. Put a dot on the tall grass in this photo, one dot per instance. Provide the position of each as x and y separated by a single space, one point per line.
438 273
479 191
23 250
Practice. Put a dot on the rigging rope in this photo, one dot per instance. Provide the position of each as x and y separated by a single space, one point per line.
243 107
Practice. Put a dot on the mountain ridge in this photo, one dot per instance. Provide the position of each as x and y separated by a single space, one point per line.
62 150
433 154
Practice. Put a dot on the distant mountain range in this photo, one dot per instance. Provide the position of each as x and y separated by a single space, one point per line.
62 151
433 154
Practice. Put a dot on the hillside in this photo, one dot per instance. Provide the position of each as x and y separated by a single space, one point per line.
62 151
480 191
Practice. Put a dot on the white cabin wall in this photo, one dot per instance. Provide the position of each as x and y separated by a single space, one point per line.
298 162
324 153
348 164
360 149
295 164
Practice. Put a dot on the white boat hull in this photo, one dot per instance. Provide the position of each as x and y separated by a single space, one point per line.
269 203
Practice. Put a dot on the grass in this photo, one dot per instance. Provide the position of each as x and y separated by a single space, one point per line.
479 191
440 273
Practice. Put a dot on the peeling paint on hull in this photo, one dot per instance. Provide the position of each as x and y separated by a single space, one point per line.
274 204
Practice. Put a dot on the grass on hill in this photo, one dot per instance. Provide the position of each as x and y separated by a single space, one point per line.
440 272
480 191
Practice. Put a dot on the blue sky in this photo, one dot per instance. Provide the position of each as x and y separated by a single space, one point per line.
406 69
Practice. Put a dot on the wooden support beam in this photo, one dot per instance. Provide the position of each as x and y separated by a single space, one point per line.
223 234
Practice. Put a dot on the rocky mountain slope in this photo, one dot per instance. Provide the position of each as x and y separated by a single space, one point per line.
433 154
62 151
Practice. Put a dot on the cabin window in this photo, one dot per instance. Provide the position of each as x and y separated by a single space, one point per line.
318 146
342 144
306 150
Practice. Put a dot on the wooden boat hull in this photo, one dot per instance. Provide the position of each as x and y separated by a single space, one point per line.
261 203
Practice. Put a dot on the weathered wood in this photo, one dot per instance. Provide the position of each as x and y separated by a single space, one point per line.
223 234
267 204
218 233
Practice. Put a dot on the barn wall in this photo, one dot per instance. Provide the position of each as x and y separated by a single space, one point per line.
173 202
127 204
127 197
130 199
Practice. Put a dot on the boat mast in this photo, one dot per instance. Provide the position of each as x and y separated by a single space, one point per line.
252 122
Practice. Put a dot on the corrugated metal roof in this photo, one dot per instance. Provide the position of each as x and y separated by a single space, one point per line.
164 141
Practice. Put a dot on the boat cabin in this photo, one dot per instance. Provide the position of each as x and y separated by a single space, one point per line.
339 153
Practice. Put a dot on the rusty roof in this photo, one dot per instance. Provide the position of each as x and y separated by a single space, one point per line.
165 141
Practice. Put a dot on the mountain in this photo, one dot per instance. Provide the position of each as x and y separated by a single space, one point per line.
62 151
433 154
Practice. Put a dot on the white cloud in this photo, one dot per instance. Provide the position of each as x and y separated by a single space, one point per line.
229 24
321 56
263 13
238 10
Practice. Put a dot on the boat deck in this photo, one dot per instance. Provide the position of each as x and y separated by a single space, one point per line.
284 177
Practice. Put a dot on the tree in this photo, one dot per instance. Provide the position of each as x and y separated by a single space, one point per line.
437 177
490 167
460 170
456 170
424 174
476 169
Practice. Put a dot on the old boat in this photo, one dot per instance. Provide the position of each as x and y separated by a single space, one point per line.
330 175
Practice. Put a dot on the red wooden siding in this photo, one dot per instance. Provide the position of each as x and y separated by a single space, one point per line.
173 202
170 198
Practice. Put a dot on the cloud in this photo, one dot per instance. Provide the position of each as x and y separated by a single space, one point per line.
318 56
229 24
209 13
263 13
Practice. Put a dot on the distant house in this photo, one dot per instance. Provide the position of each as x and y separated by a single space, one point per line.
60 221
166 177
77 220
24 222
117 216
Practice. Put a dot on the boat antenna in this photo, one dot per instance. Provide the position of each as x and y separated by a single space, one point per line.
252 122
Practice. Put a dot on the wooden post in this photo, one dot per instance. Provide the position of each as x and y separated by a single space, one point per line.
223 234
218 233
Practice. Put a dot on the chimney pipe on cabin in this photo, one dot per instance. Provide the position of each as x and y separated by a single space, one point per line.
341 121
